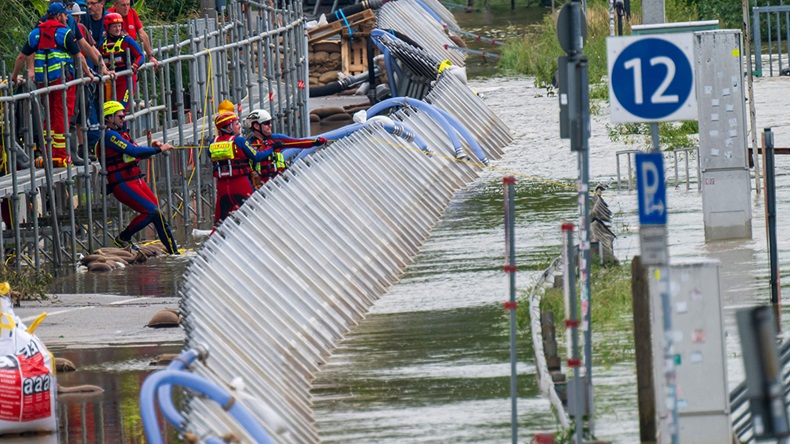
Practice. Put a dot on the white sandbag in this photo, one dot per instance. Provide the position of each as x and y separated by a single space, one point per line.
28 387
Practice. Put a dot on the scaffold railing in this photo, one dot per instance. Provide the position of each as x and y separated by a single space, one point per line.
253 55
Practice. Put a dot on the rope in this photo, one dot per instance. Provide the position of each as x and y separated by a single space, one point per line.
544 377
200 147
209 84
343 17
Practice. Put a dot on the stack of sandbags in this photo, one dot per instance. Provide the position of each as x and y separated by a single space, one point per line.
335 116
325 61
110 258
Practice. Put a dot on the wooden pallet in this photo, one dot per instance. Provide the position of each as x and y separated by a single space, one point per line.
354 54
354 21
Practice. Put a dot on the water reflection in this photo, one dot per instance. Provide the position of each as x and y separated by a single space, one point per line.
442 370
114 415
157 277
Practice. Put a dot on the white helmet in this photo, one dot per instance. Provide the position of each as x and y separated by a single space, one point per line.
258 116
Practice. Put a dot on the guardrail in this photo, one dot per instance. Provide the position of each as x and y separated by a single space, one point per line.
776 18
685 155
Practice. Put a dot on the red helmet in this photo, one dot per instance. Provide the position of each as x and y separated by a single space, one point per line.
111 19
225 119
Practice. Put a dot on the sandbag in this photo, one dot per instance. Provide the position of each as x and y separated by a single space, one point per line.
28 387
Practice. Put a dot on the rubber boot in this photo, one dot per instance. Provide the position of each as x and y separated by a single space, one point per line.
76 159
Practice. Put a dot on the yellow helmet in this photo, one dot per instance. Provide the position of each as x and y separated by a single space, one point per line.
225 107
4 288
111 107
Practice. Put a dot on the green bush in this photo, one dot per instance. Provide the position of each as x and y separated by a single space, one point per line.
536 53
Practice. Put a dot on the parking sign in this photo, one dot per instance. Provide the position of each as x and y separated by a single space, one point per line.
651 189
651 78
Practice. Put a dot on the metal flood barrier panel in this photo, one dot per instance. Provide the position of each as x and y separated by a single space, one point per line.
285 277
411 18
255 56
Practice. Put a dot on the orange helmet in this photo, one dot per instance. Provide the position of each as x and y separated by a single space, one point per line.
225 119
111 19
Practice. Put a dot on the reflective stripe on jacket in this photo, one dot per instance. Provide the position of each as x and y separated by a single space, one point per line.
49 40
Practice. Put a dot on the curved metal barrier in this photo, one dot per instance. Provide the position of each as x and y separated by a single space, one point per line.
287 275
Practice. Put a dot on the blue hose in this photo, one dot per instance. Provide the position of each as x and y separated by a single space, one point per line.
397 129
430 11
447 121
165 392
376 34
194 382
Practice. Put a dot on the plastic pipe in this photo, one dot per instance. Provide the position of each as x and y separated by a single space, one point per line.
165 392
447 121
194 382
388 62
397 129
430 11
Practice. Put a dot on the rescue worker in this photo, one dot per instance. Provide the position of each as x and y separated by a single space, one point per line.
260 123
132 26
231 155
124 178
56 49
114 49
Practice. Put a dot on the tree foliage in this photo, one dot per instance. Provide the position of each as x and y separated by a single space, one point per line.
21 15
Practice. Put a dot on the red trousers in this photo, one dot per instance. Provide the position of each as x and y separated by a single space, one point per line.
231 194
58 118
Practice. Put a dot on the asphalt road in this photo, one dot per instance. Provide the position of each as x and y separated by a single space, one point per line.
95 320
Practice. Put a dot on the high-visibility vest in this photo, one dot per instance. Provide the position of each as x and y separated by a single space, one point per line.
114 53
272 165
228 160
49 39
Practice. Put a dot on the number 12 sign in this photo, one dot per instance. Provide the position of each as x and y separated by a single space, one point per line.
651 78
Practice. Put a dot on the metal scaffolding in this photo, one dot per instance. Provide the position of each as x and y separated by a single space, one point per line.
253 55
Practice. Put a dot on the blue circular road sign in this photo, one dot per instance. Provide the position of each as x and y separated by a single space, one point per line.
652 78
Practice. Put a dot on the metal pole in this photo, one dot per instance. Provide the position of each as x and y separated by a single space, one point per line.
575 403
669 351
747 42
510 268
611 17
770 214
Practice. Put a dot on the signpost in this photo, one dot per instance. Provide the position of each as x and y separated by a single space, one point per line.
575 125
651 79
652 208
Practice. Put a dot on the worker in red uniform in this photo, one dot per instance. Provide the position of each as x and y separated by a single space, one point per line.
114 50
260 123
124 178
56 49
231 154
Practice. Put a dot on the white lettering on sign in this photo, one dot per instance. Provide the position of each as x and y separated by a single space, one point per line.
651 183
658 96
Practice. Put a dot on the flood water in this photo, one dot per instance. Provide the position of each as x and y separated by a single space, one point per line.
431 361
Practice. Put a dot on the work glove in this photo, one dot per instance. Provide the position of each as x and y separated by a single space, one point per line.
277 144
319 141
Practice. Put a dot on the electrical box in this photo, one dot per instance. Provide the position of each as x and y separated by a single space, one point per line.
726 209
700 356
721 100
723 154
